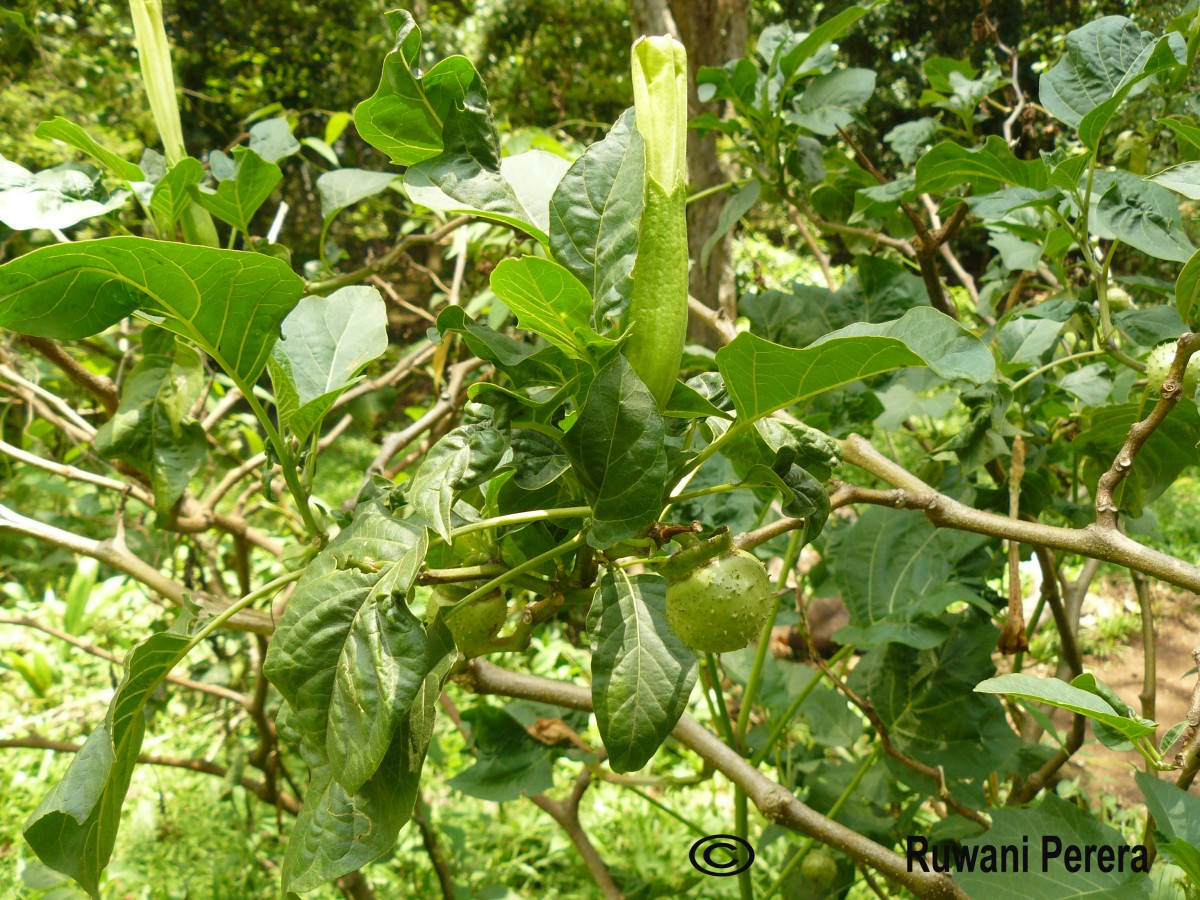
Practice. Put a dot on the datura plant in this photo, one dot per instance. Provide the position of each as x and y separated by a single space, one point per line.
578 478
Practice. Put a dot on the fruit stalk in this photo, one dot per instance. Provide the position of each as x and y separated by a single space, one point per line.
657 317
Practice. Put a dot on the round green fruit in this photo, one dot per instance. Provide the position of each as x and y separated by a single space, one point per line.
1158 363
722 605
476 625
819 868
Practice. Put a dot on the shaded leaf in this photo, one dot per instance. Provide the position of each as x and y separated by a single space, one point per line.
1065 696
237 199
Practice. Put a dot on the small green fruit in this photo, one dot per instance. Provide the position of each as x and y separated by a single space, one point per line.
722 605
476 625
1159 362
819 868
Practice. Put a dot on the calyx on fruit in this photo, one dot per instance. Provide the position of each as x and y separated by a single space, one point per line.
721 605
1159 363
475 625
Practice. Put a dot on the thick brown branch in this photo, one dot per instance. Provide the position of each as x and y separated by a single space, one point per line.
1139 433
99 386
776 803
1094 541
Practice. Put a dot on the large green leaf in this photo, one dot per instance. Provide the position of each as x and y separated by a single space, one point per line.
548 300
152 428
1187 289
1099 58
60 129
338 832
986 168
594 218
1176 819
1065 696
830 100
1168 52
515 190
326 342
53 198
404 117
616 447
329 657
762 377
1054 822
927 700
642 674
74 828
227 302
1140 213
509 762
237 199
345 187
462 458
896 575
1168 451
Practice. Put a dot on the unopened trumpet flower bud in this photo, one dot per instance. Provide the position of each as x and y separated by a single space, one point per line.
660 107
154 54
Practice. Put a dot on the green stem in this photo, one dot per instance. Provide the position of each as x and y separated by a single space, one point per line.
715 189
755 677
522 568
703 492
521 518
1086 354
807 843
688 823
741 828
238 605
287 463
782 722
714 678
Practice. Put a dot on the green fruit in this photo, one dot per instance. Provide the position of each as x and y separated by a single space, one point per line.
1159 362
476 625
819 867
722 605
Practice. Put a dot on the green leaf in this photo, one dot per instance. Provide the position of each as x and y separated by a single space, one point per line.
1064 696
1054 822
549 301
762 377
642 674
326 342
616 447
345 187
173 194
337 832
1168 451
464 457
1183 178
54 198
328 619
152 429
830 100
488 344
1187 289
404 117
74 828
1176 818
1100 57
237 199
60 129
829 30
227 302
595 213
380 670
515 192
1169 52
927 701
896 574
509 763
272 139
1140 213
739 203
985 169
910 138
